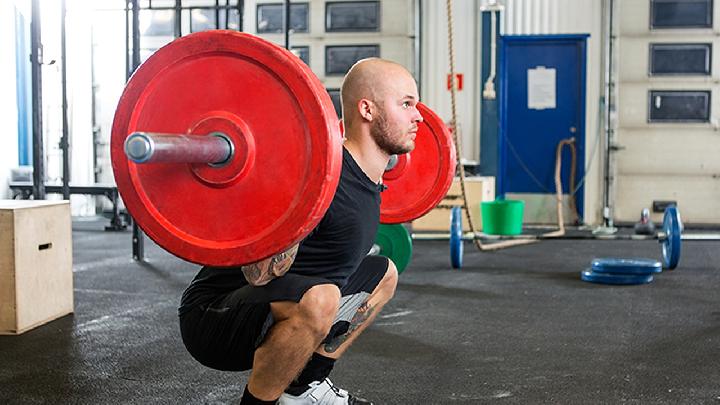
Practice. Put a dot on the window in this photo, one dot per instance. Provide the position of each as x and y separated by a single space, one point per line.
271 17
302 52
352 16
339 59
679 106
157 23
680 59
157 3
202 19
681 13
335 97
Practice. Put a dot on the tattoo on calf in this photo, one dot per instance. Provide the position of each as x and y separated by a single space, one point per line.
262 272
363 313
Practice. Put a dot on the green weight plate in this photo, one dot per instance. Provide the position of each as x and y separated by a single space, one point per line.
395 243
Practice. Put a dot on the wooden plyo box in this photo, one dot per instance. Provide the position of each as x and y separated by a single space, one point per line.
36 279
477 189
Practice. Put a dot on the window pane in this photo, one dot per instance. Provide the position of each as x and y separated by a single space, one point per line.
339 59
681 14
270 18
202 19
679 106
197 3
158 3
672 59
352 16
145 53
302 52
335 97
157 23
230 19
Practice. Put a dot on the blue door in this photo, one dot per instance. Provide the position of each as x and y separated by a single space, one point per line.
542 101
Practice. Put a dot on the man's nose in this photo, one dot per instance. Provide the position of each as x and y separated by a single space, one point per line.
418 116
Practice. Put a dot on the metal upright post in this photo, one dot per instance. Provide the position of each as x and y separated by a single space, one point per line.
609 106
135 37
241 15
36 60
287 24
217 15
65 140
138 241
178 20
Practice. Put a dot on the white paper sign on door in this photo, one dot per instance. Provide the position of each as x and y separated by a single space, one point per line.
541 88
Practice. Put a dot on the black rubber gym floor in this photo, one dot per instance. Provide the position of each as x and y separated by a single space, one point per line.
513 326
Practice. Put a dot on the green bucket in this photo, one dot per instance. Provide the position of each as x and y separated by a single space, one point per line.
502 217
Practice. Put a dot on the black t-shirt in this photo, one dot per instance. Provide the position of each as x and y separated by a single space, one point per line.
346 233
333 250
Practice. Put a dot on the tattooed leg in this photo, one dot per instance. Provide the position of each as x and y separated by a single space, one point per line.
364 316
361 316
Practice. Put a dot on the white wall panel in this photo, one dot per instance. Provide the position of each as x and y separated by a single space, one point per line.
436 66
526 17
653 152
633 17
697 196
634 65
633 105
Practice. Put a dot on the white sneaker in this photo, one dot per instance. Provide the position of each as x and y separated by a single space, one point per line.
322 393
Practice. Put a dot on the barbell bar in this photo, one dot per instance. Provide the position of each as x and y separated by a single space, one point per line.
670 237
143 147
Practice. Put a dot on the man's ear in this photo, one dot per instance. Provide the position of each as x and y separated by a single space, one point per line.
365 108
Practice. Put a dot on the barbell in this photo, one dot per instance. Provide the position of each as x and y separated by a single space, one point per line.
226 150
670 237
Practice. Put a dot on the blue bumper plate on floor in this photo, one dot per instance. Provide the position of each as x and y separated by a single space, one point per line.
671 245
456 240
617 279
626 266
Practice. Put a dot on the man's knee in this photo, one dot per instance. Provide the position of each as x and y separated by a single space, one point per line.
319 306
390 280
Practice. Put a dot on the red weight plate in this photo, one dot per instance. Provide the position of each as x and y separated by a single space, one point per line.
288 150
421 178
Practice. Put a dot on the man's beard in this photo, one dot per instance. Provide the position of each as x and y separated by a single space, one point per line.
381 133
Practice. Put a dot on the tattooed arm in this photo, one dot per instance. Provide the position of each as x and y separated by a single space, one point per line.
262 272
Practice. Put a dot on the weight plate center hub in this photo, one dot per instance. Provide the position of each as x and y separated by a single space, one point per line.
242 156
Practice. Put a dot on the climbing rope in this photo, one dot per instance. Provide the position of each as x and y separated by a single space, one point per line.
453 125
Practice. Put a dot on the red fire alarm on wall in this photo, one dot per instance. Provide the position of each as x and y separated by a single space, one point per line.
458 81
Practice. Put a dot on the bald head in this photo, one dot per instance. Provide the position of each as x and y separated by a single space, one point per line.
371 79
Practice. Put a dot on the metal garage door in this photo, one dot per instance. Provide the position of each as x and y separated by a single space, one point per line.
667 140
